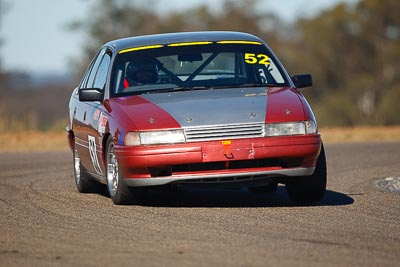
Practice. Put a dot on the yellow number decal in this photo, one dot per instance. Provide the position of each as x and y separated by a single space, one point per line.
264 59
254 59
250 58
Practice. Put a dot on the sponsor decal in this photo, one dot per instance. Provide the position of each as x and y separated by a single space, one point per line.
226 142
227 149
262 59
227 146
96 114
93 154
102 123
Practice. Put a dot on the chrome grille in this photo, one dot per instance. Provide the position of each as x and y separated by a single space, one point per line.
222 132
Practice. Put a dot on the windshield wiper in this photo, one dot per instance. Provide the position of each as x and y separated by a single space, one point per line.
244 85
259 85
177 89
211 87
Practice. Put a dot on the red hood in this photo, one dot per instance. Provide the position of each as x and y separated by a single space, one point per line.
284 105
142 114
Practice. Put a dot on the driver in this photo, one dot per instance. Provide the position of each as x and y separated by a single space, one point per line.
140 72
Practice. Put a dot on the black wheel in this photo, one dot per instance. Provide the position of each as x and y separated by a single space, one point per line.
119 192
82 181
270 188
308 189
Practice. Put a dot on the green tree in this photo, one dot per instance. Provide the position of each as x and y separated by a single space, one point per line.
112 19
353 53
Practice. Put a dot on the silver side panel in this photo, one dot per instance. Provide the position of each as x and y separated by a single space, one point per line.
219 178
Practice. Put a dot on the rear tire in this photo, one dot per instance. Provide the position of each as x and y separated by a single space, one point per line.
118 190
308 189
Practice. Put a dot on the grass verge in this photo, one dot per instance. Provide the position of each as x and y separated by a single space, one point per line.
57 140
33 141
361 134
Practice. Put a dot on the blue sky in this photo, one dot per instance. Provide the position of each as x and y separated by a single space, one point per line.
36 39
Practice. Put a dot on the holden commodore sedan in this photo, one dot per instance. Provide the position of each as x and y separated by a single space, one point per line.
199 108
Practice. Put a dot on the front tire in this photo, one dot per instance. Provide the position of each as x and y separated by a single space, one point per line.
83 183
308 189
119 192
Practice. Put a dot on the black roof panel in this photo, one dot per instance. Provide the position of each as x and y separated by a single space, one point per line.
168 38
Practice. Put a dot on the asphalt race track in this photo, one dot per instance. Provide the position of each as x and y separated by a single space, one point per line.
45 222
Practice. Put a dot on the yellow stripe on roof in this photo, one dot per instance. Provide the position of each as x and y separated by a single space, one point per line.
239 42
140 48
190 43
186 44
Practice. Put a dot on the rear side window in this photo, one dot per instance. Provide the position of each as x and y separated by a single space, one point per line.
91 72
101 76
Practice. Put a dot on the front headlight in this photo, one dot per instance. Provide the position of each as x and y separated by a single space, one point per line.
155 137
287 128
290 128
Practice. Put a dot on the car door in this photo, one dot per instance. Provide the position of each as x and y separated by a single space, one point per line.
91 117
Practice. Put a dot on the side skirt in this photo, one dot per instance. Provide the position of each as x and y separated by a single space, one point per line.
98 178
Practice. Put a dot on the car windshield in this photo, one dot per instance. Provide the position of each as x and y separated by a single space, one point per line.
194 66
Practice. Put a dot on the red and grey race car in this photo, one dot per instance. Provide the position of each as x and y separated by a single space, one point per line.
199 108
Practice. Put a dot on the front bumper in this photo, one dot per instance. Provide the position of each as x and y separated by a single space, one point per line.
241 160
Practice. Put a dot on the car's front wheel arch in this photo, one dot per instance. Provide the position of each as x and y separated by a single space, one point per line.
308 189
104 149
118 190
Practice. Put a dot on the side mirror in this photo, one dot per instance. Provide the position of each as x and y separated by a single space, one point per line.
302 80
90 94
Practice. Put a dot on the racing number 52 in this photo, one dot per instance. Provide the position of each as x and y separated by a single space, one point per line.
254 59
